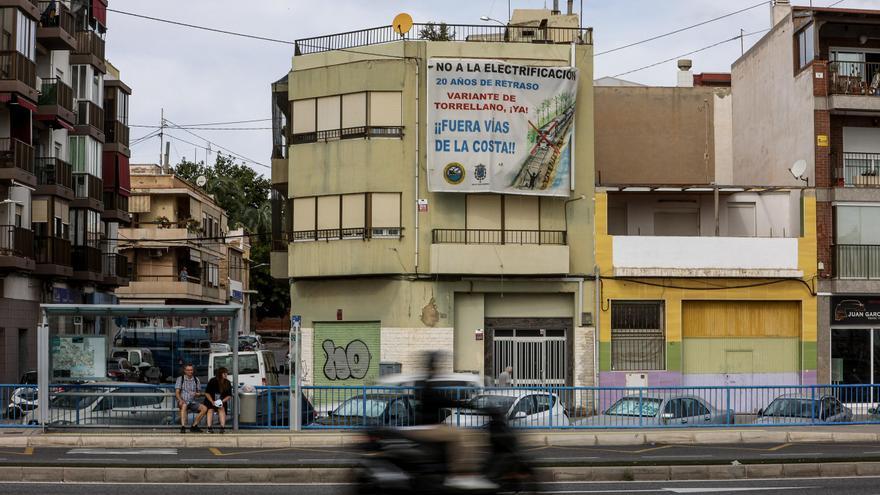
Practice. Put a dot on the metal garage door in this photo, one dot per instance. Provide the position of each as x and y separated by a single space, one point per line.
346 353
741 342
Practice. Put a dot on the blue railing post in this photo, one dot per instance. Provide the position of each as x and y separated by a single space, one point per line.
728 406
640 406
458 407
813 404
364 413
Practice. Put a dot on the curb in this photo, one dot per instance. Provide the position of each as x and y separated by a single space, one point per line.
341 475
558 438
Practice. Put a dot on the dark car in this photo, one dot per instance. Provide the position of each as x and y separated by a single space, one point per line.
804 408
373 410
275 411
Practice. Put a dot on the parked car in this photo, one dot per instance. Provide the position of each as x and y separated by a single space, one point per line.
250 342
220 347
22 401
109 404
804 408
373 410
524 408
660 410
255 368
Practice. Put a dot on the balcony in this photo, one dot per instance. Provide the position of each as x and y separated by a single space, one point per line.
56 102
89 50
53 256
116 207
55 29
54 178
499 252
857 262
854 85
87 263
859 170
115 269
117 133
456 32
689 256
30 7
90 119
88 191
168 288
18 74
17 161
362 132
16 248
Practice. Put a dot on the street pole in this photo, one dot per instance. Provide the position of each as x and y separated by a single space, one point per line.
43 370
233 341
294 364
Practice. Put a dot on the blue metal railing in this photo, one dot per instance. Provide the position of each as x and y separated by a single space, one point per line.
136 405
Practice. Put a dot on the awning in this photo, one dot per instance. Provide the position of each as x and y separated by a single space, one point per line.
54 121
139 310
24 103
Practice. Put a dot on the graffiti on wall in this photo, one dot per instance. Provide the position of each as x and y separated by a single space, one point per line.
350 362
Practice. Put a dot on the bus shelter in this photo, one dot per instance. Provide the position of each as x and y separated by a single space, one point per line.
74 311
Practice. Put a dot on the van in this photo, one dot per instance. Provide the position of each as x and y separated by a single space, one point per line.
256 368
138 357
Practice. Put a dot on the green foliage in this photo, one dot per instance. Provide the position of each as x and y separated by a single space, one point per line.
244 195
437 32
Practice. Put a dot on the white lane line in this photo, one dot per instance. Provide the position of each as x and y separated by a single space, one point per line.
706 456
89 459
122 451
726 490
214 459
872 452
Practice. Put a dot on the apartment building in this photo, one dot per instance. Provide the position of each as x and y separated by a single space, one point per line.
808 92
397 241
703 282
57 241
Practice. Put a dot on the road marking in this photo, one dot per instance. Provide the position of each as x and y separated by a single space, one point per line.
778 447
806 454
214 459
90 459
122 451
219 453
26 451
678 456
724 490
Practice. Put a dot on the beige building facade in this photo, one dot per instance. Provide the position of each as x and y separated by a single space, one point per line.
381 268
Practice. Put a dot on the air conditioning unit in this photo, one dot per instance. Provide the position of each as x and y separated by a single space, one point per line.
388 232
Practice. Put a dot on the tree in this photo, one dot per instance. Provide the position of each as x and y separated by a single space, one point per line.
437 32
244 195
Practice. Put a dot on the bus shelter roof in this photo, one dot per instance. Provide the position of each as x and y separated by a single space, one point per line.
139 310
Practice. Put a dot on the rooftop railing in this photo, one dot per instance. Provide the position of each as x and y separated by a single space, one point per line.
498 236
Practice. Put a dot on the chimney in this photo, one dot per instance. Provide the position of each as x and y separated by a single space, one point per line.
779 10
685 78
570 8
555 10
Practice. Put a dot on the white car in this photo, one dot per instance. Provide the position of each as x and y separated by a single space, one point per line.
524 408
109 404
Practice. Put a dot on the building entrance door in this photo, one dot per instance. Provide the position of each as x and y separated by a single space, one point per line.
538 357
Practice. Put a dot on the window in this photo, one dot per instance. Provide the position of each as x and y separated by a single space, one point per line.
385 214
86 227
26 38
385 109
638 340
7 23
545 402
351 115
686 408
858 225
526 405
87 84
347 216
122 107
85 155
805 46
80 88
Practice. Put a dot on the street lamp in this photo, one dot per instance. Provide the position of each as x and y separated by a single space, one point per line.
486 18
258 265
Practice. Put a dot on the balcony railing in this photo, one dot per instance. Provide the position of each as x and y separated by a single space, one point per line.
453 32
17 154
16 241
492 236
87 113
87 259
89 43
859 169
348 133
117 132
855 78
60 18
115 201
115 265
52 251
53 171
16 67
340 234
87 186
54 92
857 261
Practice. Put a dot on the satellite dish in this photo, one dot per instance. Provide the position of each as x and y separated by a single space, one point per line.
402 24
798 169
201 181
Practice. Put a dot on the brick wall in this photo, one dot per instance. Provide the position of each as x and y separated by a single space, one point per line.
820 82
408 346
824 236
822 126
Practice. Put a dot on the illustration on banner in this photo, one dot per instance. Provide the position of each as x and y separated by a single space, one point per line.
499 127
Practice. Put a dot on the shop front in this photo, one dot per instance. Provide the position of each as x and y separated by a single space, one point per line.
855 342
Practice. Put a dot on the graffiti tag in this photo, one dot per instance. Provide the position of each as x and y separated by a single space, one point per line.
343 364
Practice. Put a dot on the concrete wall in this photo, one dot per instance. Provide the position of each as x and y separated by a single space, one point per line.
651 135
772 112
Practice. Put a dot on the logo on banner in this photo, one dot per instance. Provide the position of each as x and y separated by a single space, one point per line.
480 173
454 173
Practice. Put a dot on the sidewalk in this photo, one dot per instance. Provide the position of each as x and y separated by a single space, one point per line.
555 438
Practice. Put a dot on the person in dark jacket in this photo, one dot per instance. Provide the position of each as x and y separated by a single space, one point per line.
218 393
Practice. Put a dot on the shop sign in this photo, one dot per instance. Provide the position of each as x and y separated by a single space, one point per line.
855 310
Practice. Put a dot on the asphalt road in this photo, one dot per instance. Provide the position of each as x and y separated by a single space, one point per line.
540 456
808 486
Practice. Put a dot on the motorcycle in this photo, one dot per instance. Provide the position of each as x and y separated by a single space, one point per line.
396 464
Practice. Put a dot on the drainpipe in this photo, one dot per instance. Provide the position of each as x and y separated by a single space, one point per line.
598 293
416 191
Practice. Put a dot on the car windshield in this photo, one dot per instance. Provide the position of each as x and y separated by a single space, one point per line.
357 406
635 406
247 364
74 401
793 408
503 402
